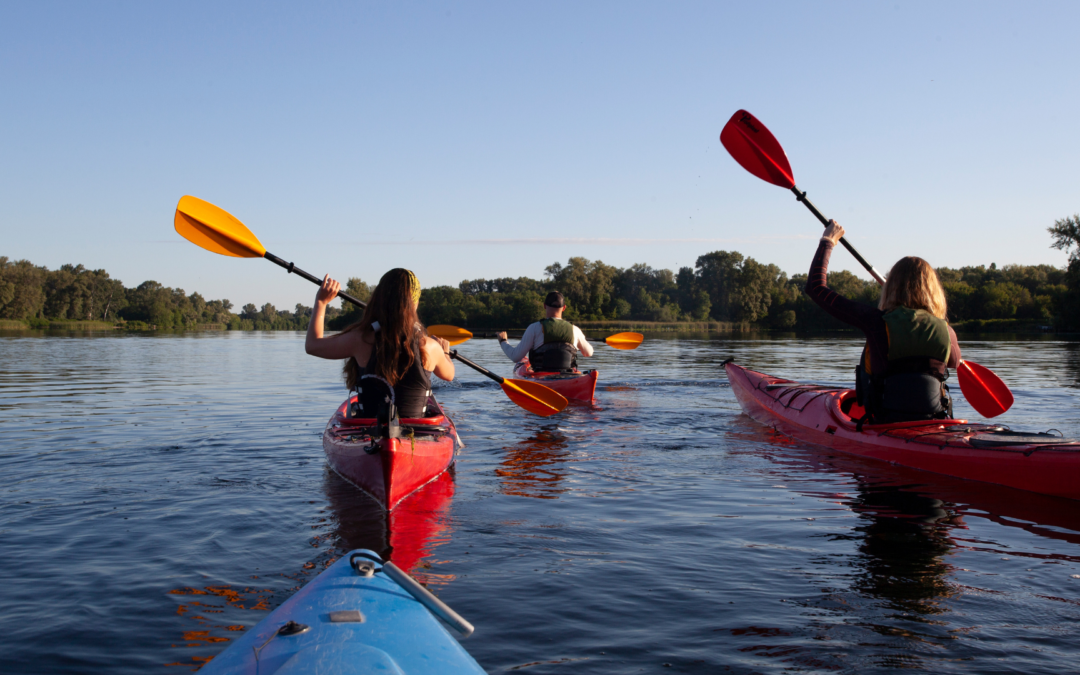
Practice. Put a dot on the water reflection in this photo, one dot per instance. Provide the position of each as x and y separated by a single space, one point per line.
535 467
408 535
904 539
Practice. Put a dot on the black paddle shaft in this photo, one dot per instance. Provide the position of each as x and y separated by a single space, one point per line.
801 196
480 369
293 269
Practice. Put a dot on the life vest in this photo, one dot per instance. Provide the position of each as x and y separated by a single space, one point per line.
409 397
557 354
911 388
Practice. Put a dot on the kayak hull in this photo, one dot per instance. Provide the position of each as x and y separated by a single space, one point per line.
826 416
356 624
576 386
389 469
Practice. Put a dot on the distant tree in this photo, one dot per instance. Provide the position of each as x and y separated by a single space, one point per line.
1066 233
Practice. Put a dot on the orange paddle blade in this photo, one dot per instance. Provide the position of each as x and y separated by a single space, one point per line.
452 334
534 397
625 340
215 229
983 389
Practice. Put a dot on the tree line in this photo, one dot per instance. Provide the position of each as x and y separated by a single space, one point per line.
721 286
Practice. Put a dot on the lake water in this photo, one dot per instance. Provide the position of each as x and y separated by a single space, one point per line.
162 492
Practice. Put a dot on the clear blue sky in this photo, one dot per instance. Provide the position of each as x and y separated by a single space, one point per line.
489 139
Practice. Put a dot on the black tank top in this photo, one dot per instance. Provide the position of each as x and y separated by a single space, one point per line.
410 393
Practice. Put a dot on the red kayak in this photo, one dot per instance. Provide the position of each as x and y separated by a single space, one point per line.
575 386
826 416
389 463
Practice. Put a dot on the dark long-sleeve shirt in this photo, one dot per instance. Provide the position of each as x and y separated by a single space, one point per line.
866 318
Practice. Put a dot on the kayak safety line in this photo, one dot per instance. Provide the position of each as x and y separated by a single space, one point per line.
290 628
425 597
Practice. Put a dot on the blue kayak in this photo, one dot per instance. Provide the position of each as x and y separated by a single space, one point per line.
360 616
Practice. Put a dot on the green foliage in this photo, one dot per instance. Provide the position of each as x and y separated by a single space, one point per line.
723 286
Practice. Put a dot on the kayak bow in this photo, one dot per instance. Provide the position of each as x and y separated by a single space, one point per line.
992 453
361 615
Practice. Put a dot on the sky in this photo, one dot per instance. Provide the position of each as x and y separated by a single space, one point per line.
491 139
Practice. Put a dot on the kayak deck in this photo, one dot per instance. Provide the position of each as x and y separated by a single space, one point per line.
389 469
346 622
827 416
575 386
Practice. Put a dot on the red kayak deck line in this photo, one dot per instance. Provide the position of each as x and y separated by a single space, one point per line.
389 469
826 416
575 386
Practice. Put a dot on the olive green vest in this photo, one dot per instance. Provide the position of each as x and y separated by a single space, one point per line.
557 330
916 332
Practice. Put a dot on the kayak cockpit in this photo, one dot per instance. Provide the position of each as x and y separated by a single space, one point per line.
845 408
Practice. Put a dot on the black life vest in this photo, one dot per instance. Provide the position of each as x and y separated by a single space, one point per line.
557 354
911 388
409 396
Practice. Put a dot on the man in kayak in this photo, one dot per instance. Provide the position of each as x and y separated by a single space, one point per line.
390 340
909 345
552 343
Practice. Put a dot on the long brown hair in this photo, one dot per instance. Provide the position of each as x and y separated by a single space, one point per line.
392 305
914 284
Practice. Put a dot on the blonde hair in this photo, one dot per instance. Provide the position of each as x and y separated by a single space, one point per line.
914 284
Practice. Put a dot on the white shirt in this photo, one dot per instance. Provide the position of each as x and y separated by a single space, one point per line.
534 337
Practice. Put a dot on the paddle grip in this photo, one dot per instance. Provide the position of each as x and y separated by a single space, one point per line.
878 277
293 269
479 369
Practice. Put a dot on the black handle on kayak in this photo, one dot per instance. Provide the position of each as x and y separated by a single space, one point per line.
477 368
801 196
293 269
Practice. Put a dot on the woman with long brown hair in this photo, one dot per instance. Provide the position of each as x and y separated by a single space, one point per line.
909 343
389 340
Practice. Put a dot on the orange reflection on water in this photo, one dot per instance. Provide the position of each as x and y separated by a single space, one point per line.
533 467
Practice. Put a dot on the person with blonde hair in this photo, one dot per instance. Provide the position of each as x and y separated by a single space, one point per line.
390 341
909 343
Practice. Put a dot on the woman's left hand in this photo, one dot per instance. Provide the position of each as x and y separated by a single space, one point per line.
328 291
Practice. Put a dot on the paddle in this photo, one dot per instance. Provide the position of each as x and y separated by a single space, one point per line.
617 341
757 150
217 230
532 396
983 389
624 340
754 147
451 334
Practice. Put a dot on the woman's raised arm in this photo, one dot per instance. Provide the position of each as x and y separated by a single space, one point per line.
340 346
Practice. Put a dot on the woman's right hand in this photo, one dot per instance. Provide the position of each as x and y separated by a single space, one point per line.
327 292
833 232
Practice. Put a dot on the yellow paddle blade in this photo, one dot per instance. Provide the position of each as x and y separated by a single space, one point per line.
534 397
215 229
453 334
625 340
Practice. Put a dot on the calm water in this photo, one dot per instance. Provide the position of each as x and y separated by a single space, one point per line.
161 493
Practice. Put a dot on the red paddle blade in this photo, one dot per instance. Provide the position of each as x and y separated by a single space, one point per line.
983 389
756 149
